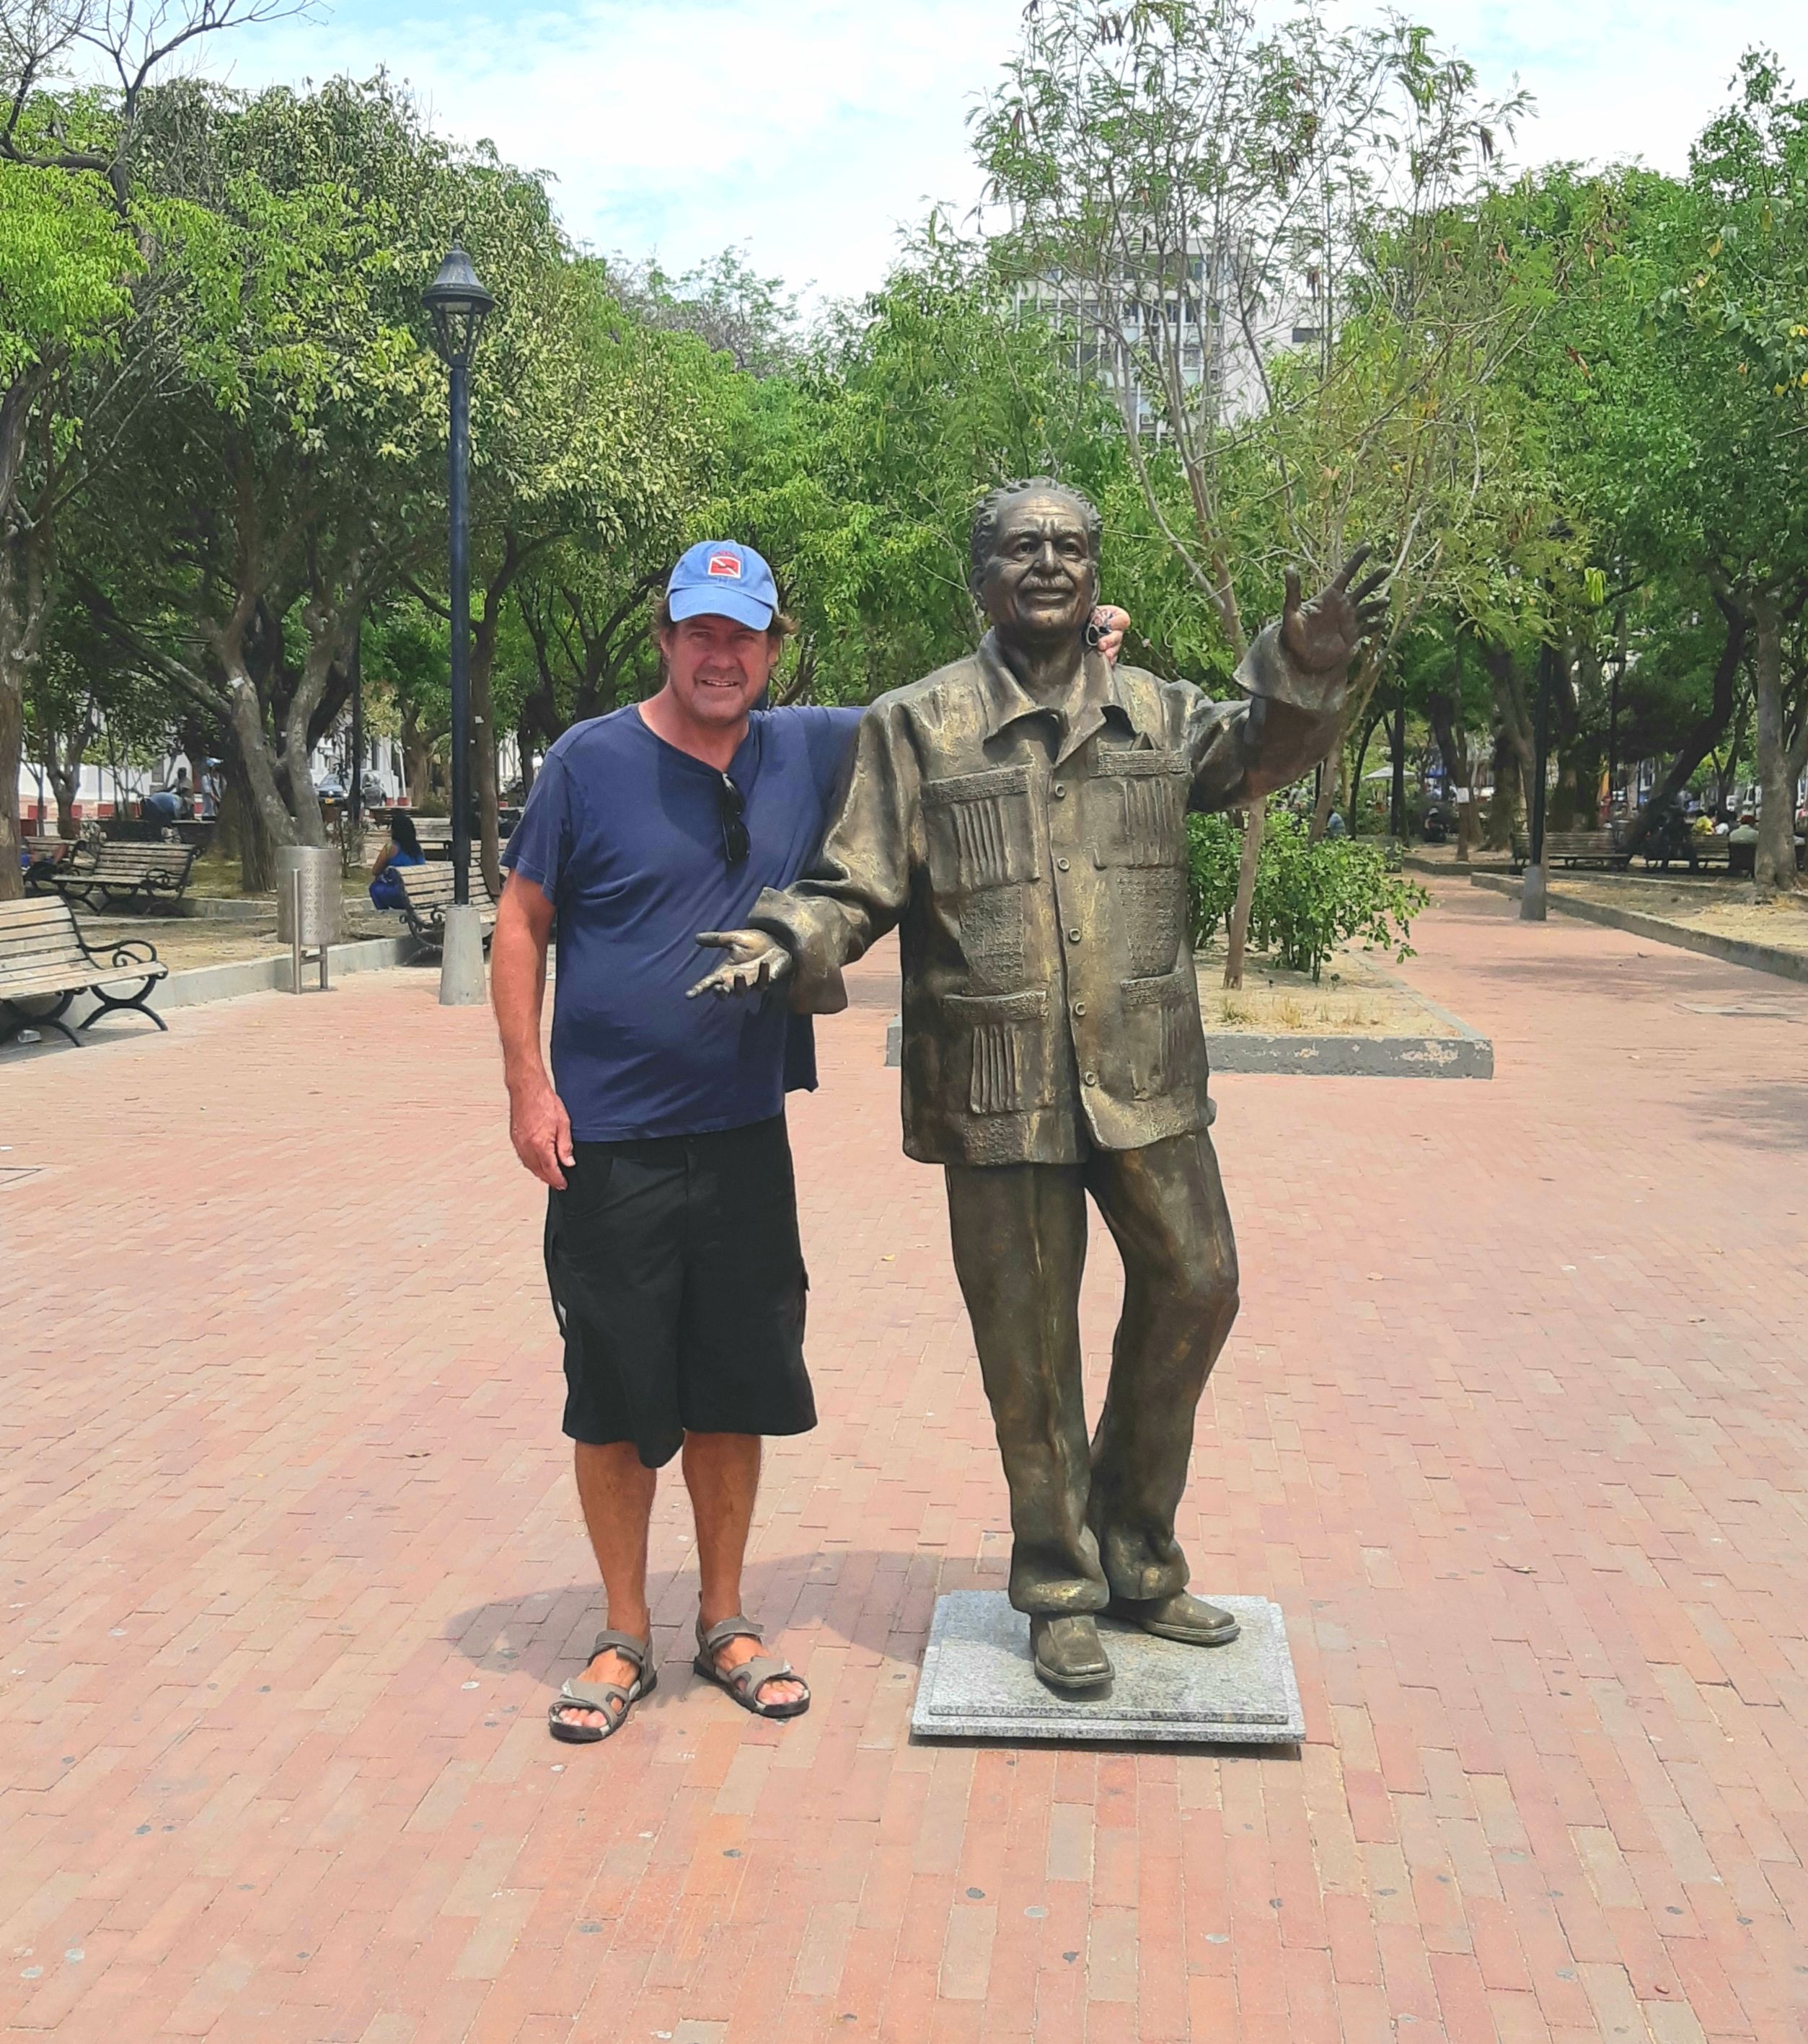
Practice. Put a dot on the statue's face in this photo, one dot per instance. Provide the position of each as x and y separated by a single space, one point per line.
1041 581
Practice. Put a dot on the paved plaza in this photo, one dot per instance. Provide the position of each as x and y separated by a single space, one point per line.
1513 1426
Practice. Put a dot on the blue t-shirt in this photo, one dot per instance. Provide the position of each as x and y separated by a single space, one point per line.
623 833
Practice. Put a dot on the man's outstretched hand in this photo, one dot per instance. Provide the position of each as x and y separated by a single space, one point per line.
1323 634
755 961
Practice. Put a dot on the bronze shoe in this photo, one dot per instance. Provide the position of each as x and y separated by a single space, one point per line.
1189 1620
1066 1652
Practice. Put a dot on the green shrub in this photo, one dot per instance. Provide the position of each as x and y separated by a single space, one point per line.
1309 899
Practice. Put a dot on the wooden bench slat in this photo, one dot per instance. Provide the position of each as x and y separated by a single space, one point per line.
39 958
34 912
35 958
66 981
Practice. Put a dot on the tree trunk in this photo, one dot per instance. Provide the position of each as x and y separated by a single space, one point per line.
1776 810
241 828
273 820
1236 935
309 824
1706 733
417 750
1442 710
1515 753
22 609
1508 806
64 774
1397 761
1352 775
12 750
1329 774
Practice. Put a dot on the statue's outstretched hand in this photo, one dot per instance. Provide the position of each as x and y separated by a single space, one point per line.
1323 634
755 961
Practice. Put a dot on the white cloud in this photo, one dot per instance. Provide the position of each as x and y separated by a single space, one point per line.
1616 81
813 131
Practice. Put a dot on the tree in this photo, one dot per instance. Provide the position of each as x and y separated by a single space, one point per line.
71 268
1204 197
1744 292
589 430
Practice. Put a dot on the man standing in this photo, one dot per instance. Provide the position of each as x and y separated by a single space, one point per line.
1021 817
671 1239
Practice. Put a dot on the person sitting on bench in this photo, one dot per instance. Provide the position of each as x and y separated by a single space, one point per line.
403 849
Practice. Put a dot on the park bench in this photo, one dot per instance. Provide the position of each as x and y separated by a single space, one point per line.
427 894
1699 851
45 855
1587 847
435 833
44 958
120 873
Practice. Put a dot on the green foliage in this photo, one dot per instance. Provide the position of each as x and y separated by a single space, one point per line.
66 264
1308 897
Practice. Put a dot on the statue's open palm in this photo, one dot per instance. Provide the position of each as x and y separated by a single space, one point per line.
1323 634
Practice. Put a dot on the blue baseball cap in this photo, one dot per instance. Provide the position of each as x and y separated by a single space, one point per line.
717 578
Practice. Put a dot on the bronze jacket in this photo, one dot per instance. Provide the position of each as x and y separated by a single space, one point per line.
1037 873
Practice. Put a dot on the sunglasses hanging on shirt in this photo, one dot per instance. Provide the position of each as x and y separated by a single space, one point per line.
732 805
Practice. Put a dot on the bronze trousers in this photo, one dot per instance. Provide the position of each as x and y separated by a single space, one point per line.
1091 1521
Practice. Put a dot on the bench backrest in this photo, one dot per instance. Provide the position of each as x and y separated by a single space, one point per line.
118 861
38 941
429 887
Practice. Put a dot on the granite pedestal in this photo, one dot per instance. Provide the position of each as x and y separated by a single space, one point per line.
978 1682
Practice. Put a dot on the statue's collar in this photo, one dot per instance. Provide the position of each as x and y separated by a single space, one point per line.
1007 700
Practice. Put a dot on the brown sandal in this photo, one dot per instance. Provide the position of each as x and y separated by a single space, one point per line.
604 1696
745 1682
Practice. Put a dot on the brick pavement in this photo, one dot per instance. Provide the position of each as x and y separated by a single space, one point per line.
1513 1424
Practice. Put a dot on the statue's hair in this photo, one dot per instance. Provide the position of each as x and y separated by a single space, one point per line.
988 515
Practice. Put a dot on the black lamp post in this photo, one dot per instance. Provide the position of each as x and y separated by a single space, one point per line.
459 304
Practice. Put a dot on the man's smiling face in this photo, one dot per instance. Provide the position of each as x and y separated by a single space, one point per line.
717 667
1041 580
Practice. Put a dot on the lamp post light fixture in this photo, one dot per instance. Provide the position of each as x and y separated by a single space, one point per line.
458 305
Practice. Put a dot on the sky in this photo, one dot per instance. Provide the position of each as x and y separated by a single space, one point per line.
811 134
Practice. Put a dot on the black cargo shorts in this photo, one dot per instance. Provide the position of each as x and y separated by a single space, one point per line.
677 1278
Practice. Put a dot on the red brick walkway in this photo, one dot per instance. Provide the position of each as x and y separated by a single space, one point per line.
1513 1425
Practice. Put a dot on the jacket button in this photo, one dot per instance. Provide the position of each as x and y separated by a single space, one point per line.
1060 865
1073 936
1080 1008
1092 1078
1059 791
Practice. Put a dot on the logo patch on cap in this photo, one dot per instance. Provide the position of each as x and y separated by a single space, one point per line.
726 564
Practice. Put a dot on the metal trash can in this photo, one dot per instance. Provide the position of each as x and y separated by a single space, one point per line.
309 903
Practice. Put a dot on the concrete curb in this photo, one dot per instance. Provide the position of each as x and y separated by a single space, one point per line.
1468 1055
1732 951
265 975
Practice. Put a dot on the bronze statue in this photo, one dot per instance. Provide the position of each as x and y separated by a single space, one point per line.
1021 817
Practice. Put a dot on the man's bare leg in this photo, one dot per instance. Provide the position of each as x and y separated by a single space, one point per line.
616 1490
722 1472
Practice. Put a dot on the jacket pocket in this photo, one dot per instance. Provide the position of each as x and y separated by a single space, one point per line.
1003 1041
981 833
1143 796
1163 1042
1153 912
